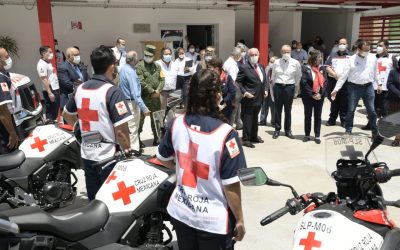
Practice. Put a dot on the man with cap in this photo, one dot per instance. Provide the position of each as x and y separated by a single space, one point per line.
152 81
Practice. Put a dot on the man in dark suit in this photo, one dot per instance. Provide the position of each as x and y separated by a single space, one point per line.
70 74
253 85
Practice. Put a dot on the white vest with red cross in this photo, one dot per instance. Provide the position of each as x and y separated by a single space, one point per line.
198 199
93 116
384 66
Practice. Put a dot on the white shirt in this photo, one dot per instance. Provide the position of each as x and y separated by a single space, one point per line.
119 54
384 66
192 56
286 72
170 73
231 67
180 65
358 70
45 69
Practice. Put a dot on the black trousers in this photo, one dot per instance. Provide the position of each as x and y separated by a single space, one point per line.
283 95
94 177
266 106
194 239
311 105
52 108
380 104
339 105
249 117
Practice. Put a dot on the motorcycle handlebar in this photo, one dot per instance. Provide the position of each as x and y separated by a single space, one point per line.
275 215
107 160
395 172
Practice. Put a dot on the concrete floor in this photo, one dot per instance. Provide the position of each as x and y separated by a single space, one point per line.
293 162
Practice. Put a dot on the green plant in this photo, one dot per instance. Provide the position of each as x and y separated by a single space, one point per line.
10 44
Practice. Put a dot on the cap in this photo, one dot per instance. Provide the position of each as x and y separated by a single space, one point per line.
149 50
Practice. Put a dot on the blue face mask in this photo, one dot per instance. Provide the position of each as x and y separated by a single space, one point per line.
167 58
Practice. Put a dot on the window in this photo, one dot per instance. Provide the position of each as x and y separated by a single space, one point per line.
374 28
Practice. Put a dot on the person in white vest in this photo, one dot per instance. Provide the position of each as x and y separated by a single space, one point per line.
100 106
205 206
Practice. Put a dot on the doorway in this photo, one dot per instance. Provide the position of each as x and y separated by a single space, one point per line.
201 35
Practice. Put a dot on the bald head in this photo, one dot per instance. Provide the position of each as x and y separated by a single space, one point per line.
286 49
131 57
72 55
3 57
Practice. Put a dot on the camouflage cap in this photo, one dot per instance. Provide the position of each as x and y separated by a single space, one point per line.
149 50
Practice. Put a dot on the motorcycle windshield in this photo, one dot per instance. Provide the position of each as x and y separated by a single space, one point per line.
346 148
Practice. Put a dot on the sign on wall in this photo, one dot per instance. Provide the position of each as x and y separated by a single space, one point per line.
76 25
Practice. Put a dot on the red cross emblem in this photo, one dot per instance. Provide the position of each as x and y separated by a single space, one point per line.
310 242
381 68
86 115
111 177
121 105
39 144
124 193
192 168
232 144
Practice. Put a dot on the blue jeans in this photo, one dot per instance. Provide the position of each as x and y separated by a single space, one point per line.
366 92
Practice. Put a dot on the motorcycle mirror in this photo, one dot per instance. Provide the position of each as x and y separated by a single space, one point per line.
389 126
92 137
378 139
253 176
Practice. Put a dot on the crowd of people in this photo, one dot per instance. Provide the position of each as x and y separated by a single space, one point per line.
217 95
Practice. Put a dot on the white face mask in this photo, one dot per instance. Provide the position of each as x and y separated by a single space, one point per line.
191 50
298 50
379 50
122 48
8 63
181 56
342 47
364 54
50 57
286 56
167 58
243 54
208 58
148 59
77 59
254 59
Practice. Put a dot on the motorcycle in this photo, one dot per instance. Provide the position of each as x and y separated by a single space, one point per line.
39 172
355 217
129 211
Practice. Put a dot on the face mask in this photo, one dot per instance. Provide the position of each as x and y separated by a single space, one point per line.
379 50
50 57
254 59
191 50
148 59
77 59
364 54
181 56
298 50
197 50
243 54
167 58
286 56
56 47
8 64
122 48
208 58
342 47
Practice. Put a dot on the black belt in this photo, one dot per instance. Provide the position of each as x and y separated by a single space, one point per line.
361 85
283 85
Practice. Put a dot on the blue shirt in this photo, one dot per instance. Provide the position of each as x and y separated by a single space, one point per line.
300 56
129 83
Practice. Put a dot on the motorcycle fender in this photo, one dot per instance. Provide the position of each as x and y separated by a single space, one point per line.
129 184
43 141
329 230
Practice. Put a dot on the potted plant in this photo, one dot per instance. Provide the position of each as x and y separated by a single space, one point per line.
9 44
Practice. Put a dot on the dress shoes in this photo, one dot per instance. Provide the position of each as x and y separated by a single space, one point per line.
317 140
306 138
248 144
276 135
329 124
366 127
289 135
258 140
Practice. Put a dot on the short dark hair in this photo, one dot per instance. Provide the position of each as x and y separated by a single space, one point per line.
360 43
216 63
43 49
385 42
164 49
101 58
119 39
76 47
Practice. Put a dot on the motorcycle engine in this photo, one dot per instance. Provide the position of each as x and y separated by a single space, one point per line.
55 192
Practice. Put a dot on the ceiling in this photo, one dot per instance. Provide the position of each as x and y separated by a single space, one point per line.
221 4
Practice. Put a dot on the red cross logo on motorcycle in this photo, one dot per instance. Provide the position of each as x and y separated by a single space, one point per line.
111 177
381 68
192 168
124 193
39 144
86 115
310 242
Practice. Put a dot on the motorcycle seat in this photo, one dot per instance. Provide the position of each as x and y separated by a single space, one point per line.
11 160
74 226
